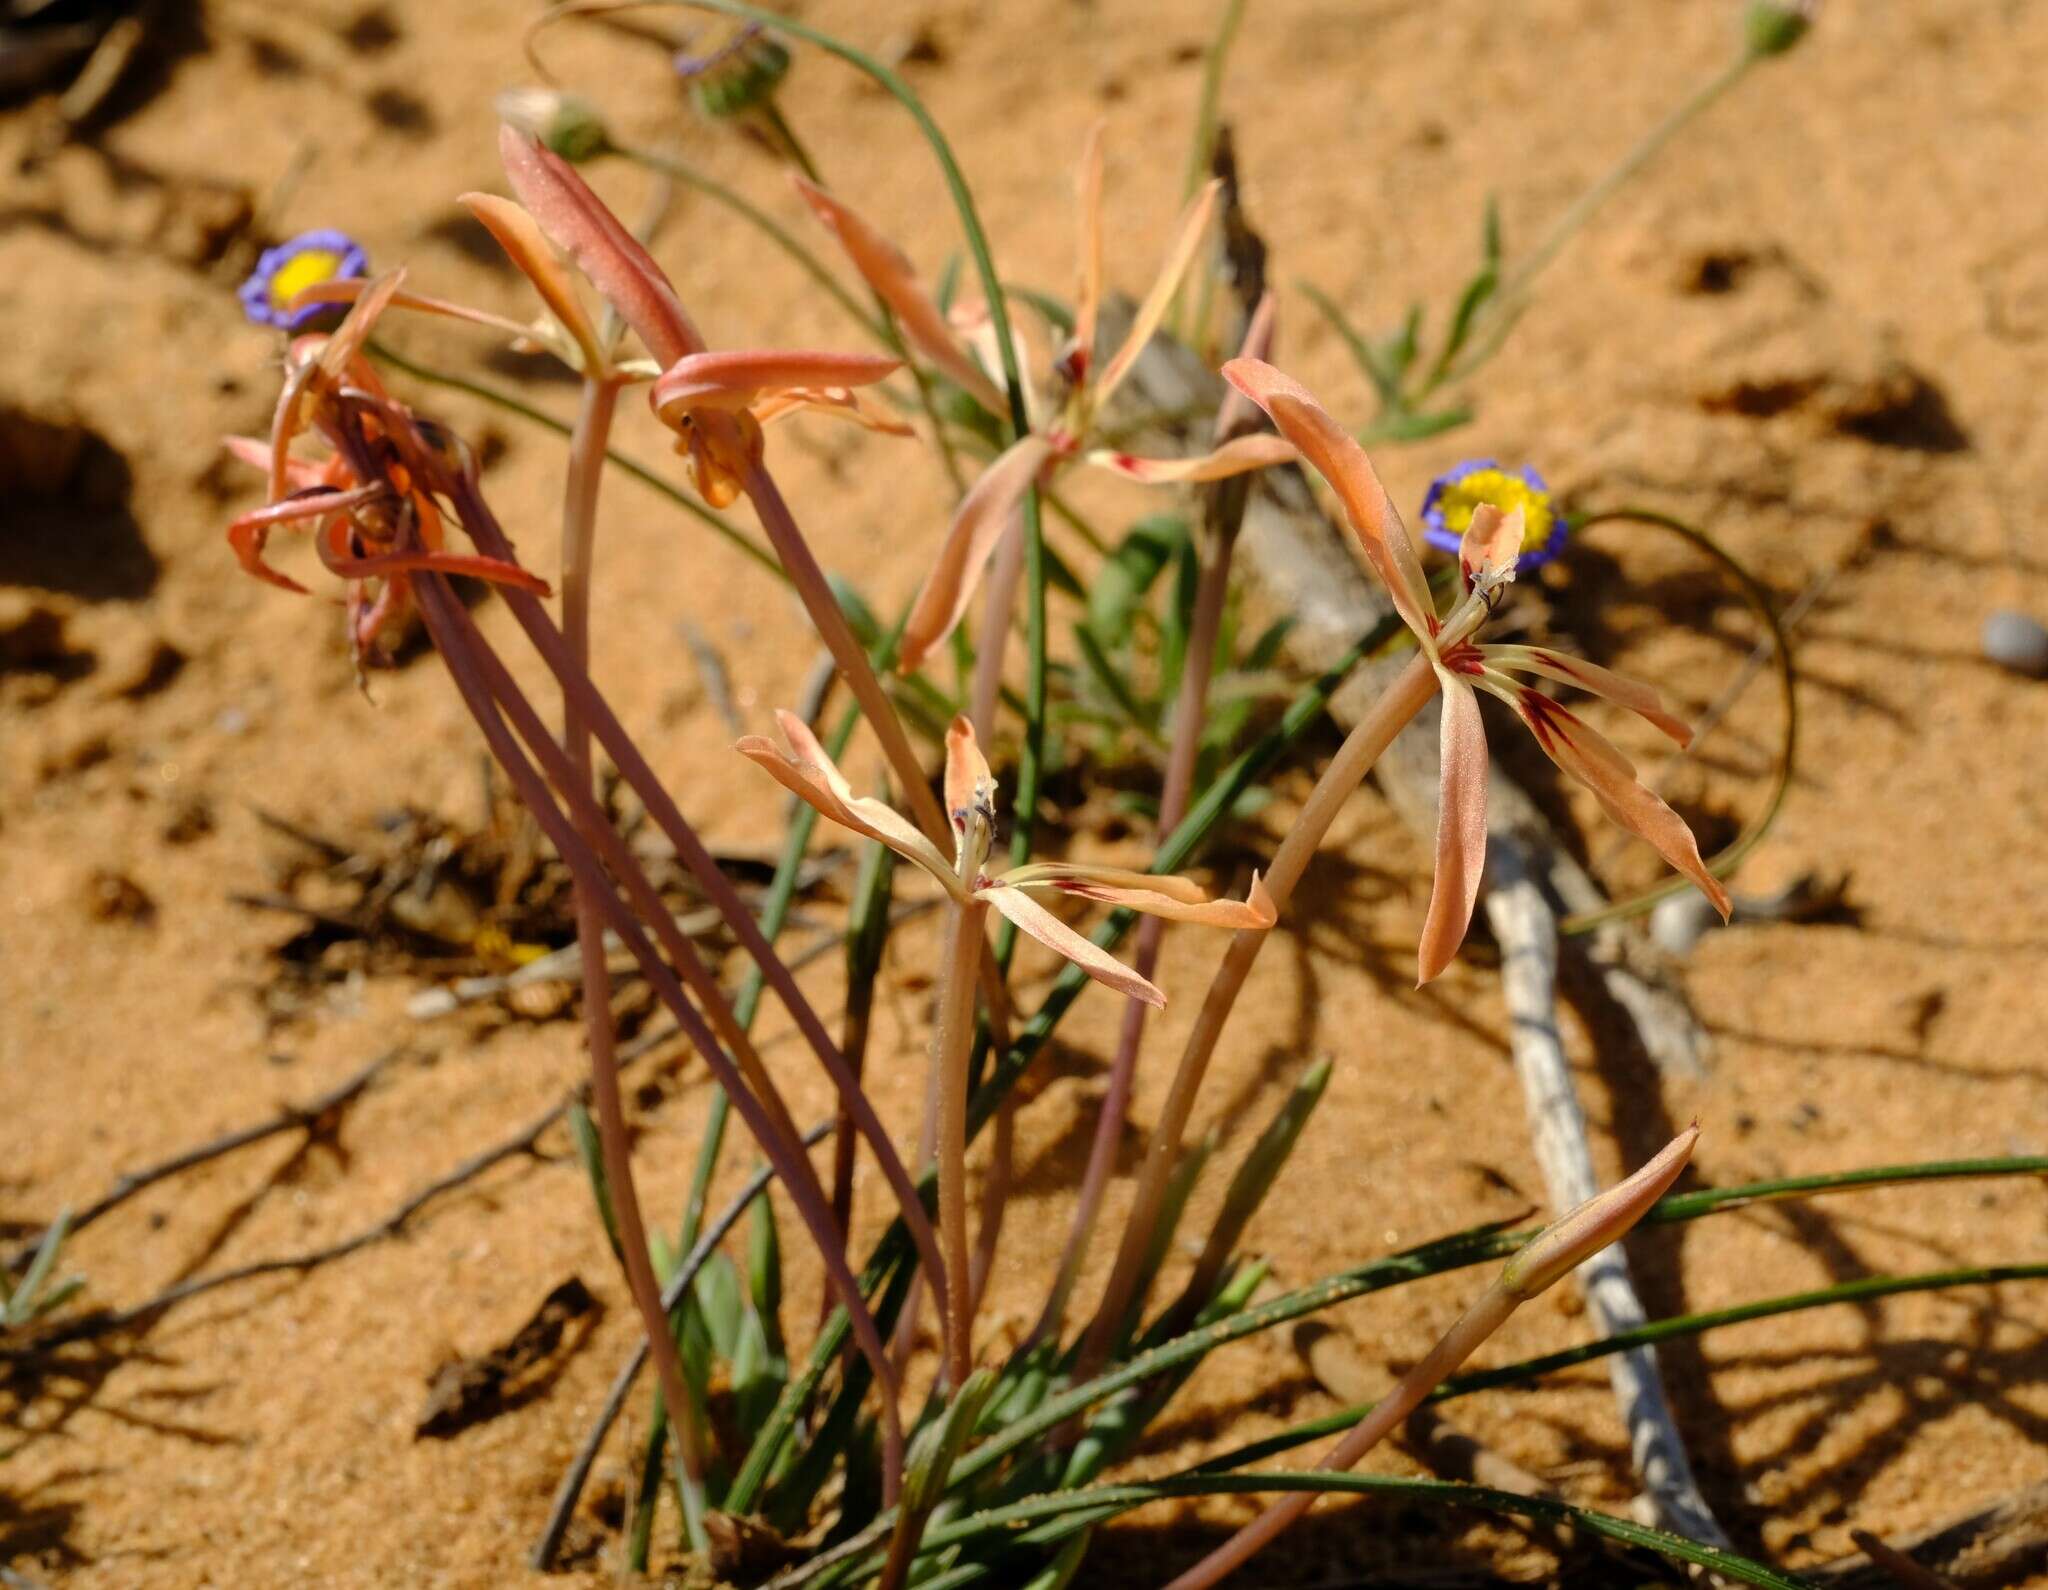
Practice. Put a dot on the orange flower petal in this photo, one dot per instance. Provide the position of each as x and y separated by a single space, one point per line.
1490 544
978 524
350 289
1643 700
1055 935
1591 759
886 269
345 343
1460 830
1239 456
837 401
732 378
970 786
1235 411
520 236
1176 899
577 222
1336 456
1193 223
1088 298
808 773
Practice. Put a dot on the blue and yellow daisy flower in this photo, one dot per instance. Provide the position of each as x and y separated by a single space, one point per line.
1447 509
289 269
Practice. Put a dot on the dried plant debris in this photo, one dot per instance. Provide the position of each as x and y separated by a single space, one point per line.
467 1391
410 893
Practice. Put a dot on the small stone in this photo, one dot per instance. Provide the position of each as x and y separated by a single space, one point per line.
1677 923
2017 642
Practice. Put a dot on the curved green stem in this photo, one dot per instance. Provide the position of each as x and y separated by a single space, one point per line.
1498 316
1724 861
1859 1291
1083 1509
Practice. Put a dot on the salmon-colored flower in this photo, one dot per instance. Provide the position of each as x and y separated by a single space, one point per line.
370 502
715 402
1055 439
1487 554
807 770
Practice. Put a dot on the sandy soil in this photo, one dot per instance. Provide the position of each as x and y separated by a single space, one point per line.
1856 234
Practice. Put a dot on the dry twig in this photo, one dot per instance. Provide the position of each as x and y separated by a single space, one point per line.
312 1118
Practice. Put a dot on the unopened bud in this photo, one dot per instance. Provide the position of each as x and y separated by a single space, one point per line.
1771 27
1569 1241
565 124
736 77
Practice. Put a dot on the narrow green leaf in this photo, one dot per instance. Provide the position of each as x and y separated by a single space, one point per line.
1379 369
583 1132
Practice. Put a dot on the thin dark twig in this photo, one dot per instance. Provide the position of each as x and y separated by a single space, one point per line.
566 1494
392 1225
309 1117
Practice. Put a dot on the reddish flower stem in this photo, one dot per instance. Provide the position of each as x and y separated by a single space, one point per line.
1190 708
579 538
1402 699
951 1044
626 756
461 650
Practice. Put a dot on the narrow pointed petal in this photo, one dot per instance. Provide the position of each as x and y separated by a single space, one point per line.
1234 413
978 524
1237 457
975 328
970 786
494 571
885 268
299 473
351 289
577 222
347 339
1643 700
1590 758
837 402
1088 297
808 773
1194 222
1336 456
520 236
1460 830
1490 545
1055 935
1176 899
733 378
1578 1234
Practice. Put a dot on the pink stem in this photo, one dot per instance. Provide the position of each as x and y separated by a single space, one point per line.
799 563
1479 1322
446 621
595 710
1402 699
1190 708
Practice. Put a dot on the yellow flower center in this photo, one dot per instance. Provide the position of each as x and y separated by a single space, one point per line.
301 271
1506 492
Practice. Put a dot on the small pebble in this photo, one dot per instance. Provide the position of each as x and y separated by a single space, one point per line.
2017 643
1677 923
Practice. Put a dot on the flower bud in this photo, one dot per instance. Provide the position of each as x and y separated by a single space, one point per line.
564 124
1569 1241
738 76
1771 27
